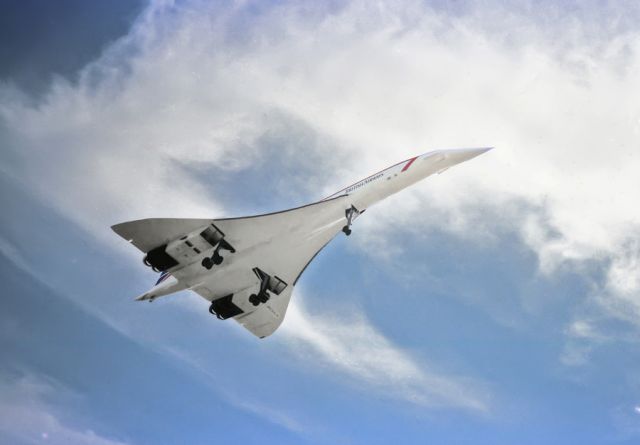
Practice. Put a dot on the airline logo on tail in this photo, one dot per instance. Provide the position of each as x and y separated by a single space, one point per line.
163 276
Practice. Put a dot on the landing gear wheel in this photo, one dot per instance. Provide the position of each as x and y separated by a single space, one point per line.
263 297
253 299
217 258
207 263
351 213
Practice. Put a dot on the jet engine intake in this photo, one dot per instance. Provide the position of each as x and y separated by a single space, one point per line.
159 260
224 308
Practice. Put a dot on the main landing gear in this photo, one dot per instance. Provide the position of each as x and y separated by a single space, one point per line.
262 296
216 258
268 284
351 214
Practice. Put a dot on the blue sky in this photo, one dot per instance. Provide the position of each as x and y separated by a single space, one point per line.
496 303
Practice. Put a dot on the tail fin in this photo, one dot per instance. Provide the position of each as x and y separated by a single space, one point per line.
163 276
166 284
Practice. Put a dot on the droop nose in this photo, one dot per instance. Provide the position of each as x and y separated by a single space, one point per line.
456 156
464 154
443 159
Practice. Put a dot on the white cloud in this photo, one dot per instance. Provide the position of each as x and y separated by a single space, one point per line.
8 250
352 345
274 416
581 335
26 418
623 282
266 411
198 86
385 81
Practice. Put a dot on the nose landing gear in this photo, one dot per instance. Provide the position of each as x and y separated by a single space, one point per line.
351 214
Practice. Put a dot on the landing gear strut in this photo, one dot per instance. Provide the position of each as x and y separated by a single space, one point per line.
262 296
216 258
268 284
351 214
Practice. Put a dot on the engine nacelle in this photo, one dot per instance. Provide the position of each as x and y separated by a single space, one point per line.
184 250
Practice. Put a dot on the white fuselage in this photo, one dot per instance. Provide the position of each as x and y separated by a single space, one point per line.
385 183
362 195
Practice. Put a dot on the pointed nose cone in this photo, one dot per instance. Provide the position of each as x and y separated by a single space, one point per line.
464 154
457 156
479 151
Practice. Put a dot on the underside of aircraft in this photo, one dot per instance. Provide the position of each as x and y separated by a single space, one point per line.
247 267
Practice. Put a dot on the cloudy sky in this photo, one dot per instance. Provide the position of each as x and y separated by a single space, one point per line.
497 303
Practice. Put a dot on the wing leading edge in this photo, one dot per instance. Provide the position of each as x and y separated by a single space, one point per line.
281 244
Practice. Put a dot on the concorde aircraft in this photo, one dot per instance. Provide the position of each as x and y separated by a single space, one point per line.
247 267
